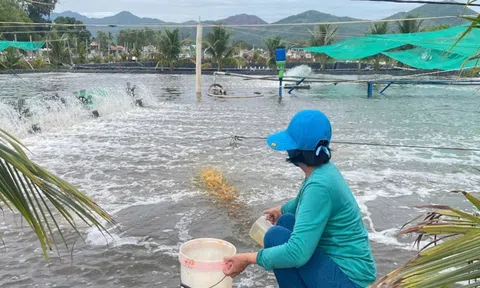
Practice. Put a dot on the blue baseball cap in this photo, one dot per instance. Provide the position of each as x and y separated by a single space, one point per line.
306 129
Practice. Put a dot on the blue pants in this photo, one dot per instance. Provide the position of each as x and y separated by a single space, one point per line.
320 270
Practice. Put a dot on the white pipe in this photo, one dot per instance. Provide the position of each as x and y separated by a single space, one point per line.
198 61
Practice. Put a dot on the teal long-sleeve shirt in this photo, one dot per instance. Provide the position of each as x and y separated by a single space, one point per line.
327 217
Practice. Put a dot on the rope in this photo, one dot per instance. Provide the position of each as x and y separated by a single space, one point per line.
218 282
423 2
343 142
39 3
241 25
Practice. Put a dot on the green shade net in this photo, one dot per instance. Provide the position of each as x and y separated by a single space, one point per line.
27 46
439 45
431 59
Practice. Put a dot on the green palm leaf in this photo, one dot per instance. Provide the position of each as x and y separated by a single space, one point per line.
453 260
218 45
38 195
170 47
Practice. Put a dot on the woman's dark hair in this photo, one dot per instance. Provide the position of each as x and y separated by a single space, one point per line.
310 158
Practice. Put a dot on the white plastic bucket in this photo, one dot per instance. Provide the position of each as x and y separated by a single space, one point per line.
259 228
201 263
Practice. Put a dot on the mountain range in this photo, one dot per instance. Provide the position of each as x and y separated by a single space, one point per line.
254 35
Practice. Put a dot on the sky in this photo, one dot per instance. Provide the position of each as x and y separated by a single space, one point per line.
270 11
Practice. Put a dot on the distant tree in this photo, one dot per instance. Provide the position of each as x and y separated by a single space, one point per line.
218 46
79 30
137 52
59 53
10 59
124 56
103 39
323 35
437 27
138 38
10 12
409 26
170 47
81 55
39 12
97 59
257 56
271 44
242 45
378 29
111 41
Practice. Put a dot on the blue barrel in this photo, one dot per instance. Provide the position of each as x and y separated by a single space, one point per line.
280 54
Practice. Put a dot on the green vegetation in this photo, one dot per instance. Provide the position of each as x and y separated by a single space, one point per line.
218 46
10 59
78 32
378 28
430 28
59 53
323 35
138 38
10 12
170 47
43 199
409 26
449 258
229 50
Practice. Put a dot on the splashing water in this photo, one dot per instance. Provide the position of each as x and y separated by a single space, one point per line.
51 114
299 71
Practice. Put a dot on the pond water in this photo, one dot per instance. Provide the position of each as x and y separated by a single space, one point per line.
140 164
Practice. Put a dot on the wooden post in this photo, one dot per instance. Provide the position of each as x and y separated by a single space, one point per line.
69 52
48 54
30 53
198 62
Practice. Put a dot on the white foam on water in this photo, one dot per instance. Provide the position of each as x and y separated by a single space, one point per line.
182 227
96 238
51 115
299 71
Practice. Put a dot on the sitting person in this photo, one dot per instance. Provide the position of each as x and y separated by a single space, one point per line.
319 239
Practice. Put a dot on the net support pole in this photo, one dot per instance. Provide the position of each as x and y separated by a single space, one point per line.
198 61
280 89
370 89
386 87
296 85
281 61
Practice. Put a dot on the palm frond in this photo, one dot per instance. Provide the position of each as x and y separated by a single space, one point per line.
379 28
441 263
37 194
218 44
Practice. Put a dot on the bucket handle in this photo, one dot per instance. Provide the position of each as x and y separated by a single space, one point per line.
186 286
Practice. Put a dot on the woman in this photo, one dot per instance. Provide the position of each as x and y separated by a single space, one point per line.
319 239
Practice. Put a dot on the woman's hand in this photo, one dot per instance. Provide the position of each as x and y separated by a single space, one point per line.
238 263
273 214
